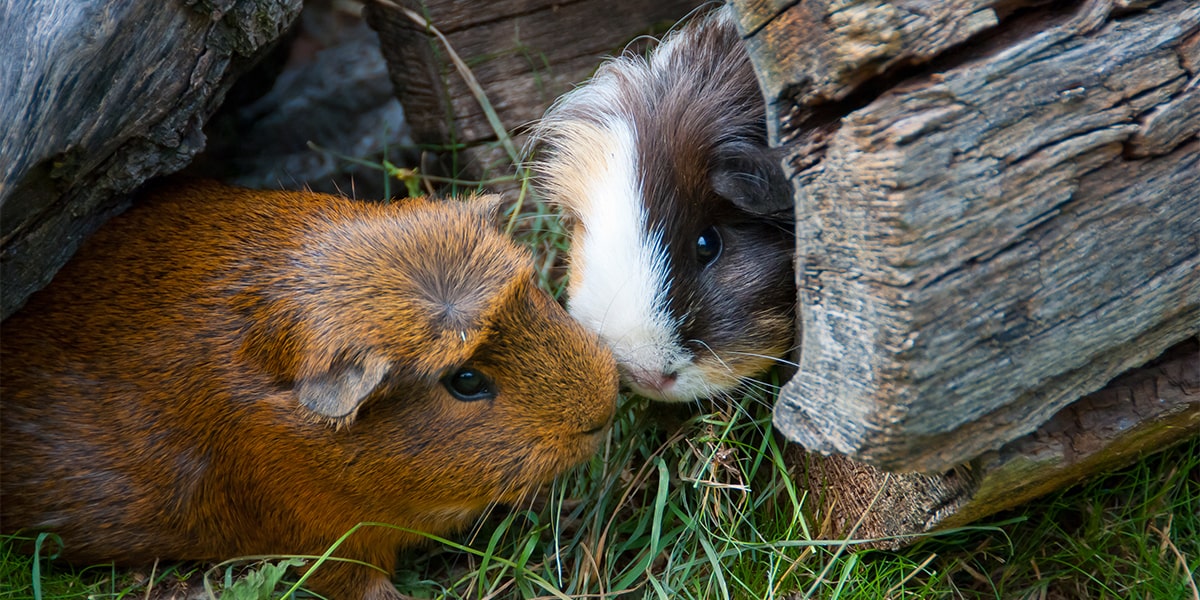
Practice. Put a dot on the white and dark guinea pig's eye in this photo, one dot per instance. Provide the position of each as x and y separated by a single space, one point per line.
708 246
469 385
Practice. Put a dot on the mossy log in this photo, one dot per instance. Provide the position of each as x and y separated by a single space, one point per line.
99 95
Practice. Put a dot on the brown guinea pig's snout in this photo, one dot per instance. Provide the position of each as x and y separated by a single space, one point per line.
590 416
597 420
580 373
593 427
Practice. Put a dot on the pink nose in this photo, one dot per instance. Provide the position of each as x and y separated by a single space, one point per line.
656 383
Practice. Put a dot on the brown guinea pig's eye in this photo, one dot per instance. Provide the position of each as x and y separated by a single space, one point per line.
708 246
469 385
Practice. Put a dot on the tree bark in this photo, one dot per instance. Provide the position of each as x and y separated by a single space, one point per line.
998 213
99 96
1146 410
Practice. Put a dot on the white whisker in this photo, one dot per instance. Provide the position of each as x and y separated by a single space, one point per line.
715 355
775 359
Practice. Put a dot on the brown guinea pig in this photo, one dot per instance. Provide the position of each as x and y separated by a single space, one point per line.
223 372
681 253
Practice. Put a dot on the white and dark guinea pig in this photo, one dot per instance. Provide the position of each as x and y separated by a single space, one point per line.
223 372
682 246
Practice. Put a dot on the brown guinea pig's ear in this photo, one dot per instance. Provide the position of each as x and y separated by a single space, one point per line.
491 208
334 388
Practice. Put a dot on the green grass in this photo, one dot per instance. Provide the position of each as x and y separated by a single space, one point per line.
700 506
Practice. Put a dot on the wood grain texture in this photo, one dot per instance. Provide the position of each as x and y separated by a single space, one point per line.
987 242
525 53
1141 412
809 53
97 96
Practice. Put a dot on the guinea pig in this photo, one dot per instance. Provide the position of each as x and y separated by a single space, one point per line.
223 372
683 235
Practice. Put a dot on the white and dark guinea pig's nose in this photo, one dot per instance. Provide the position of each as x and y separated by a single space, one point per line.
627 308
652 383
665 373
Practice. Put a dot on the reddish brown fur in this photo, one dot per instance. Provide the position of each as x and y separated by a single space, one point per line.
225 372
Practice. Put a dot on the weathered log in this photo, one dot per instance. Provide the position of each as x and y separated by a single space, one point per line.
523 54
988 237
97 96
812 53
1141 412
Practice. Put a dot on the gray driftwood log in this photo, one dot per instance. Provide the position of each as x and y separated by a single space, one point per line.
96 97
997 213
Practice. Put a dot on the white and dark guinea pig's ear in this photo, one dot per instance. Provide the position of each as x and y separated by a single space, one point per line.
750 176
333 388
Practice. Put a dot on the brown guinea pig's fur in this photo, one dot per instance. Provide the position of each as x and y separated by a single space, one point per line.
223 372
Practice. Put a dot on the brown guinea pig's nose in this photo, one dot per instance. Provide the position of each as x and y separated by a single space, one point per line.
600 426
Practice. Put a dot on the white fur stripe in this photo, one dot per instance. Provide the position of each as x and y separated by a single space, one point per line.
619 279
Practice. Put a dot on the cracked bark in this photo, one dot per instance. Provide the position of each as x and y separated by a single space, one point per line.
99 96
997 214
